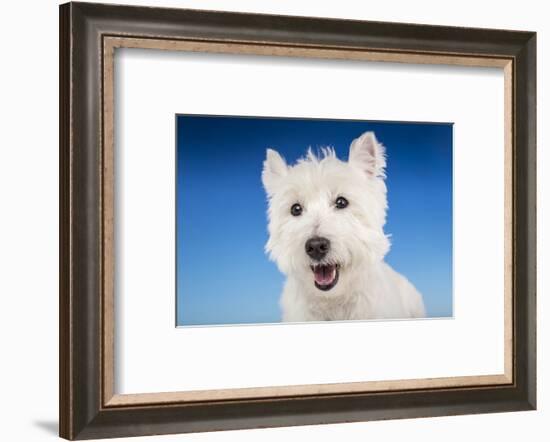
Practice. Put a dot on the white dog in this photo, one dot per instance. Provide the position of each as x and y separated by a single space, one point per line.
326 235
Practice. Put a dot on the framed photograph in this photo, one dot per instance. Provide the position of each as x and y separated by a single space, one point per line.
325 225
271 220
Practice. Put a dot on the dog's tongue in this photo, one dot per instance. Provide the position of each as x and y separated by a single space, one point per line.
324 274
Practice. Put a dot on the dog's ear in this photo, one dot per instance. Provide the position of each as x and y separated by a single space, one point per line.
368 154
274 169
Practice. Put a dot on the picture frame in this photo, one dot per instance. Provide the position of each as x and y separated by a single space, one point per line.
89 35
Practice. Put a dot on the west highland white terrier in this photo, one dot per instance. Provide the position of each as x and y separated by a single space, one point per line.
326 220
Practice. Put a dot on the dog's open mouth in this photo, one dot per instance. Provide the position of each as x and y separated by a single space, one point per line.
325 275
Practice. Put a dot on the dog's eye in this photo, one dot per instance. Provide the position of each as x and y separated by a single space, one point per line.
341 202
296 210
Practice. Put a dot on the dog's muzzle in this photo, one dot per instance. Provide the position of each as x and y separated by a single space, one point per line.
325 275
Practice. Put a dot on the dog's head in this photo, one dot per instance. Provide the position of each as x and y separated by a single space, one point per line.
326 216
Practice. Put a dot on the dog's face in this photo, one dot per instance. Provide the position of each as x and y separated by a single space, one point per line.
326 216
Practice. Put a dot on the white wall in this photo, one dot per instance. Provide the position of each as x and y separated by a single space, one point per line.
28 218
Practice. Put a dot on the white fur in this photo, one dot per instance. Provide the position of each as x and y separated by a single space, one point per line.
367 287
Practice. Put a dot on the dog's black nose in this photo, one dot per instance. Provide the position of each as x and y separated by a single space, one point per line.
317 247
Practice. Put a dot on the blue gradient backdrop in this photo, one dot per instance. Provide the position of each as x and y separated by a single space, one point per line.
223 275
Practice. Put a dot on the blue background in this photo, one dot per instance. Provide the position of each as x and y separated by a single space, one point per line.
223 275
